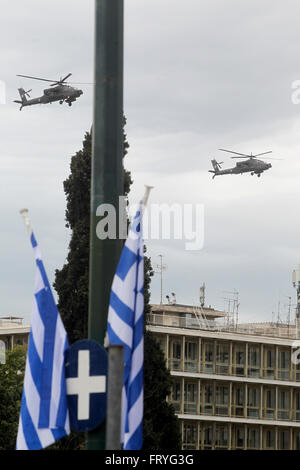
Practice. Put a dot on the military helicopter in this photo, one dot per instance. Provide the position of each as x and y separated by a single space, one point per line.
252 165
61 92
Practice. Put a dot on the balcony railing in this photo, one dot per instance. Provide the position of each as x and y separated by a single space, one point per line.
193 322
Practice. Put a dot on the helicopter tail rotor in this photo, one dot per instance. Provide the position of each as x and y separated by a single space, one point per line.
23 95
216 167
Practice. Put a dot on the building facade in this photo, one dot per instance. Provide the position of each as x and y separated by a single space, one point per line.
233 386
13 332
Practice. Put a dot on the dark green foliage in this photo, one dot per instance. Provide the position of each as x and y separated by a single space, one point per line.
11 386
72 280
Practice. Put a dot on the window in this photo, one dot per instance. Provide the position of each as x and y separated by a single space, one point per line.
238 397
253 402
297 440
239 359
208 357
222 400
269 439
297 367
207 397
222 358
239 438
162 344
221 437
269 363
283 404
283 364
176 350
283 439
176 395
190 398
191 356
269 403
253 438
207 436
253 361
297 406
189 436
175 354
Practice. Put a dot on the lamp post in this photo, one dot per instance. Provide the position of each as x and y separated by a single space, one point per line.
107 168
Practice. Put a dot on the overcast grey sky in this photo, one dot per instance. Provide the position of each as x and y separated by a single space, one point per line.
198 76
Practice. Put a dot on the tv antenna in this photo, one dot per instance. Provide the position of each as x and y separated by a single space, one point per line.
161 268
233 306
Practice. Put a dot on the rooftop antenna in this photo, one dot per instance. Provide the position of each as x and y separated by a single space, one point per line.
278 313
289 312
202 295
273 318
235 306
161 267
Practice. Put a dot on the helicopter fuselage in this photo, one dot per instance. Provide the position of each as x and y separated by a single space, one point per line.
61 93
252 165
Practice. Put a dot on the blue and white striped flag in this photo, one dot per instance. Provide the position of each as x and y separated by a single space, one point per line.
126 327
44 415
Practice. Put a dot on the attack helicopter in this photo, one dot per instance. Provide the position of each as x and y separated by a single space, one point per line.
253 165
60 91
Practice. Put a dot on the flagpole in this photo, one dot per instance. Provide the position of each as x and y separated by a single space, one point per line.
107 170
25 215
115 379
146 196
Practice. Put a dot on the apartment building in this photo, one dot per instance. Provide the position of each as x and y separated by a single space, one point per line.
13 332
233 386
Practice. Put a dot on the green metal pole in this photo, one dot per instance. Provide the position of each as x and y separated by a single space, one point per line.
107 168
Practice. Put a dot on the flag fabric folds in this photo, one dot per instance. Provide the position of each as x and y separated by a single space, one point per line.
44 415
126 327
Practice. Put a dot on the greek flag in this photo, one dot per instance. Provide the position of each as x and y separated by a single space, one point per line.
126 327
43 417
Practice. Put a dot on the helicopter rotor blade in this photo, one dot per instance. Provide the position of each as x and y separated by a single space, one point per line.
36 78
254 157
53 82
64 79
61 81
265 153
81 83
236 153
